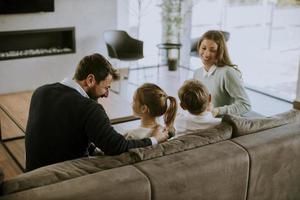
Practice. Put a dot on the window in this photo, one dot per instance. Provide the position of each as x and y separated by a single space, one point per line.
264 40
145 24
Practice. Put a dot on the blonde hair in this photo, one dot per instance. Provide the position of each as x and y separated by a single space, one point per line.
194 96
155 99
222 52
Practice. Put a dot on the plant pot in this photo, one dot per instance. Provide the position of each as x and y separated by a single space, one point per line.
172 64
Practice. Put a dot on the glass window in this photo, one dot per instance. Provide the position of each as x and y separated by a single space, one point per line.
264 40
145 24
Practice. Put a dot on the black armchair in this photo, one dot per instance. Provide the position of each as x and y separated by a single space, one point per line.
194 43
123 47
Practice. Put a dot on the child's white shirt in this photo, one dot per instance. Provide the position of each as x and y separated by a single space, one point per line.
188 122
139 133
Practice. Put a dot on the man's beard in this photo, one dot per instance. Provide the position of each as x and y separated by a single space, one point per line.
92 95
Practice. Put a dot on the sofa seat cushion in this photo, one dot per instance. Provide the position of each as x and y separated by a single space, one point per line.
247 125
190 140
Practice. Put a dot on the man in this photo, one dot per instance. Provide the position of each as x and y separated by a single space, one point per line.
65 117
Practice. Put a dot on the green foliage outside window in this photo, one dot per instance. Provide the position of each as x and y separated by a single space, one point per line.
172 19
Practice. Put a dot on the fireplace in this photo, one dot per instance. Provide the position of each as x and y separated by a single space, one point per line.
40 42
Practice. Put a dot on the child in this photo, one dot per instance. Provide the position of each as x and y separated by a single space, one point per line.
194 98
149 103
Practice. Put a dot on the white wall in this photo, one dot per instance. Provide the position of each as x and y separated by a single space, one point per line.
89 17
186 33
123 15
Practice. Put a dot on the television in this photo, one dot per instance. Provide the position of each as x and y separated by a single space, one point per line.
26 6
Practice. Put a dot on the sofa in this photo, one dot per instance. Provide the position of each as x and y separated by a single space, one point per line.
242 158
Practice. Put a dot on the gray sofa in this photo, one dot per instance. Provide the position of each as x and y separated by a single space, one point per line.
243 158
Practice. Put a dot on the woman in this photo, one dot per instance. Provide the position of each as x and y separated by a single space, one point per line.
222 78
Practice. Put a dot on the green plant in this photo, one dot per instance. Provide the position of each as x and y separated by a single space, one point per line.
172 20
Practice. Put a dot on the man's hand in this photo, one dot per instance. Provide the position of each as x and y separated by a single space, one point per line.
159 135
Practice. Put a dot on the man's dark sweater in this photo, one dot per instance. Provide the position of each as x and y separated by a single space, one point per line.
61 124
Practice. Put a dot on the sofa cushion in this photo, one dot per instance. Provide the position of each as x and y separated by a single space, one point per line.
275 162
216 171
190 140
125 182
64 171
247 125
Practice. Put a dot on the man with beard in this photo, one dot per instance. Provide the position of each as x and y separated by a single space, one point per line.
64 118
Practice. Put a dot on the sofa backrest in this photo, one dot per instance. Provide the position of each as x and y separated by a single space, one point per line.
191 140
120 183
247 125
260 165
80 167
216 171
63 171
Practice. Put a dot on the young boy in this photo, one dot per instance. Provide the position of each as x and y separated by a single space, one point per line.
194 98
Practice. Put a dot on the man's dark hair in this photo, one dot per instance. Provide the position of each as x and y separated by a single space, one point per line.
97 65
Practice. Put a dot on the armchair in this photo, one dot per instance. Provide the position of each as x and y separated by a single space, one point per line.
123 47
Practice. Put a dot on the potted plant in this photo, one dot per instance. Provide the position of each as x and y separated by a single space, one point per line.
172 20
172 64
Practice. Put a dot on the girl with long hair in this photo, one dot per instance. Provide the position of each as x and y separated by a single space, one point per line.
149 103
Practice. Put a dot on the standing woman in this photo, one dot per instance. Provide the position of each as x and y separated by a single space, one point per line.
222 78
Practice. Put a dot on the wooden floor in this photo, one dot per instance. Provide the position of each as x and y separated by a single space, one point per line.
12 149
8 165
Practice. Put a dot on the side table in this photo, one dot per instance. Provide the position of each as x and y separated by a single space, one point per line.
168 51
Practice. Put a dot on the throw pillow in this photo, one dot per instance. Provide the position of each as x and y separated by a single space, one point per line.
244 125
